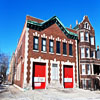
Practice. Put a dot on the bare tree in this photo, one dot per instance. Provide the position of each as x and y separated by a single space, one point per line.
4 63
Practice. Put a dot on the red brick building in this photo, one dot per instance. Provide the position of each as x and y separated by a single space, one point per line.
89 65
46 55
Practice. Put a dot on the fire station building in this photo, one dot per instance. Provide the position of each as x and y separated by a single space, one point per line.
46 55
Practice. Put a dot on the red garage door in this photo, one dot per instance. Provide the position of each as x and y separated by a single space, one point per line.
68 76
39 76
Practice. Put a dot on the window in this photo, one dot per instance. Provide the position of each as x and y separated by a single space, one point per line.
64 49
86 25
86 36
87 52
43 44
70 50
18 71
57 47
81 36
93 54
35 43
89 84
83 69
92 40
51 46
84 84
88 69
82 53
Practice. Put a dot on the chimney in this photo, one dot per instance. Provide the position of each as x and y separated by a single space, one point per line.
70 26
76 22
97 48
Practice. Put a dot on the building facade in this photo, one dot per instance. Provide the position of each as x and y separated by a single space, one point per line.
89 65
12 69
46 55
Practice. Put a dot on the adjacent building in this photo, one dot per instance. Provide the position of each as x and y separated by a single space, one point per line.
89 65
46 55
12 69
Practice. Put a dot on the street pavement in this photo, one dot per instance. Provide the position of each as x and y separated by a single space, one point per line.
13 93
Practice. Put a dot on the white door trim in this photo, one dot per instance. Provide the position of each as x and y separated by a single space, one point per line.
72 64
31 68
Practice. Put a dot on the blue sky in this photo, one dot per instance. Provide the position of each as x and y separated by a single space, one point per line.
13 14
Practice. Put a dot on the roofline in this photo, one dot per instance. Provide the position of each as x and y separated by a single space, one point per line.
53 18
35 17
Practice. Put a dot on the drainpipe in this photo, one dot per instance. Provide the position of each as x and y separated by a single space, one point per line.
78 62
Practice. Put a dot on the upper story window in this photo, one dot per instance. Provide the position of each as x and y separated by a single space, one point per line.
51 46
93 54
70 50
86 36
92 40
64 49
83 69
82 53
87 52
86 25
88 69
81 36
35 43
44 44
57 46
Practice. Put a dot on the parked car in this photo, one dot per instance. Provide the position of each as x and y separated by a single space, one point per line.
1 79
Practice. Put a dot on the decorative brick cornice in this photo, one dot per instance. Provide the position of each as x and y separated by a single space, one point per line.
51 37
64 40
58 39
43 36
70 42
36 34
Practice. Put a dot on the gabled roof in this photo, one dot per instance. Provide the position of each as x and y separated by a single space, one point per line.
72 30
76 27
85 19
45 24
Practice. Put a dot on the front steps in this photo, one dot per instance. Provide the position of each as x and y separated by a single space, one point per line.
55 85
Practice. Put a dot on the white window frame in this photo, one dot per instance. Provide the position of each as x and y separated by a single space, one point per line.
83 69
44 45
87 52
92 40
83 53
93 54
87 35
82 36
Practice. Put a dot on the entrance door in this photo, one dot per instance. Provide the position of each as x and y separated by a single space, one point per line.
68 76
39 76
54 72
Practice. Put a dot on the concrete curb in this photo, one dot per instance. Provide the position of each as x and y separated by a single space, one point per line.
18 87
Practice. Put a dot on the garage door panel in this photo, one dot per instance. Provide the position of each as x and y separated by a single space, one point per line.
39 76
68 76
